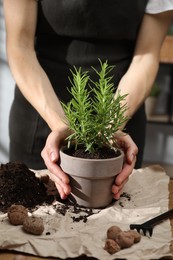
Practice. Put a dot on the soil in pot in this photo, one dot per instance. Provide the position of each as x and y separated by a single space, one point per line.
101 153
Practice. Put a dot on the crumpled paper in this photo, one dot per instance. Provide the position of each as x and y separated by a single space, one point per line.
145 196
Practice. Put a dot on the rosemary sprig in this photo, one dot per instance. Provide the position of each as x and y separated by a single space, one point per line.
95 118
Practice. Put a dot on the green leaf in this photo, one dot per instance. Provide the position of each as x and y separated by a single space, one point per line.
95 120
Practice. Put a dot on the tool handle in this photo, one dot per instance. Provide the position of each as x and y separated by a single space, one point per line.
156 220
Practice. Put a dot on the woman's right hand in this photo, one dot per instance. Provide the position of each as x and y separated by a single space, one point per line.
50 155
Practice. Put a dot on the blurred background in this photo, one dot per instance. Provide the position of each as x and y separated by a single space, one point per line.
159 106
6 92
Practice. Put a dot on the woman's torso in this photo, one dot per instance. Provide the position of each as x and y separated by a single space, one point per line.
75 32
78 32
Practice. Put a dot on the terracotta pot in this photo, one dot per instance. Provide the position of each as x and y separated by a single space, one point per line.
91 179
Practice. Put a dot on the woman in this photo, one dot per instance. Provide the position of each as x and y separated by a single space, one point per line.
46 38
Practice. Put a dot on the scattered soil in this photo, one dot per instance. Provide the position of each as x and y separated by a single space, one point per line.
100 153
76 209
126 196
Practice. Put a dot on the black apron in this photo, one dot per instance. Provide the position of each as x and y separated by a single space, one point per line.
77 32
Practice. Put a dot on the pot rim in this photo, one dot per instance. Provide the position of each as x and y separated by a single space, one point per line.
93 160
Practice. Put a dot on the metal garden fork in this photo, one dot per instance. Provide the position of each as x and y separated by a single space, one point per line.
148 225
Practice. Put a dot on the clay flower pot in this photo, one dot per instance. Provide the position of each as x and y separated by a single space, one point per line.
91 179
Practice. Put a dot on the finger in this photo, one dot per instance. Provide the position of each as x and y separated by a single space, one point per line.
56 174
127 144
63 189
131 151
62 194
116 189
66 188
124 174
57 171
51 148
118 194
54 168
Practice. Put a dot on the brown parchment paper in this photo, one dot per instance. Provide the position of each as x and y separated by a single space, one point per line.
148 190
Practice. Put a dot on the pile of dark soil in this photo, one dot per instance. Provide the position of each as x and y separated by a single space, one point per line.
19 185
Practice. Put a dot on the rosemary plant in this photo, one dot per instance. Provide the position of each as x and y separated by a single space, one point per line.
94 119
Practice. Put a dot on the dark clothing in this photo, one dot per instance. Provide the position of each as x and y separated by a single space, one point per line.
77 33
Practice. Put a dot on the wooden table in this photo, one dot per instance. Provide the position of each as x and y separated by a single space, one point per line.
6 255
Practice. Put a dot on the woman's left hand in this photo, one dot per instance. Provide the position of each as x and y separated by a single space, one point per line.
125 142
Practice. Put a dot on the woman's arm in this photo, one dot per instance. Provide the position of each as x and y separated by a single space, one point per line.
20 19
138 80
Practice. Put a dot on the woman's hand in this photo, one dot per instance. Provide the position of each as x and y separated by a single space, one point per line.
50 154
130 149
